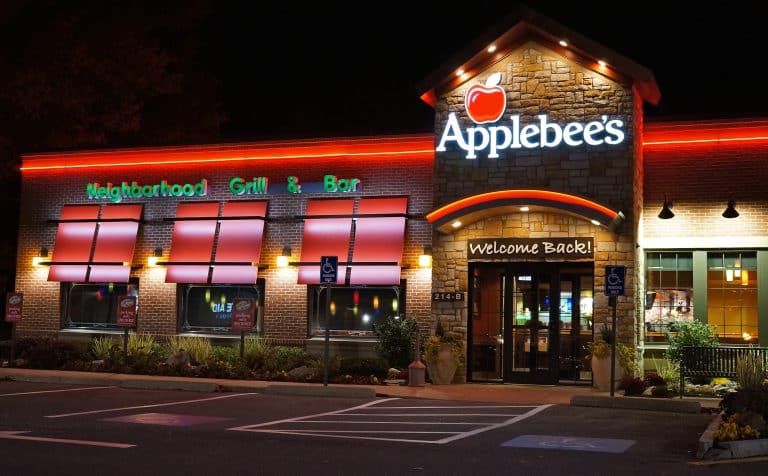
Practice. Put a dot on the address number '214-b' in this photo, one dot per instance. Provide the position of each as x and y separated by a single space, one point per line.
455 296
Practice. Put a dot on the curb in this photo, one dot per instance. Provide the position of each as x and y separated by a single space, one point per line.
639 403
170 385
707 439
63 379
320 391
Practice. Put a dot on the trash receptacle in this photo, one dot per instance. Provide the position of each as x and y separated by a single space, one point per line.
416 371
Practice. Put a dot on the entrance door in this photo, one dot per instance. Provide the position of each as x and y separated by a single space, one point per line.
523 327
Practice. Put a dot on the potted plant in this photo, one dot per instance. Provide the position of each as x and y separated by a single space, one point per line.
443 354
600 351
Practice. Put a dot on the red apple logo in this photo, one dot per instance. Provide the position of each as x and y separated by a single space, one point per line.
486 103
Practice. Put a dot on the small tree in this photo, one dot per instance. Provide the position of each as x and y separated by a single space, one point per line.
691 333
396 339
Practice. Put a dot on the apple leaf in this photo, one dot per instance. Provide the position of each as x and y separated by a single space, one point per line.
493 79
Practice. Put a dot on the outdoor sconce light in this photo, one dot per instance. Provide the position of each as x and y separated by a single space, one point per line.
156 255
730 210
666 210
425 260
282 260
41 259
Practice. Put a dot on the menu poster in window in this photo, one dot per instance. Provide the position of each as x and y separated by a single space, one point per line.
13 306
126 311
243 314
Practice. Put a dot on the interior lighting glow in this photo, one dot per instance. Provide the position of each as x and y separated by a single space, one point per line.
491 48
456 224
366 318
595 222
563 43
459 72
602 63
524 209
729 275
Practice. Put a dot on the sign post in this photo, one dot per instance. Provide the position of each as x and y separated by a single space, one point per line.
329 273
126 318
243 310
14 305
614 287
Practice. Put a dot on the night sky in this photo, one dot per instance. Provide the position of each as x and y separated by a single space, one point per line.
323 71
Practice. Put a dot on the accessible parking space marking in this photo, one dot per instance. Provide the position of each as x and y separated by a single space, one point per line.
573 443
463 422
166 419
137 407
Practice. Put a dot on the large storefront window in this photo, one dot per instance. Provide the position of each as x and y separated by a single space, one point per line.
669 293
353 311
208 308
732 295
94 305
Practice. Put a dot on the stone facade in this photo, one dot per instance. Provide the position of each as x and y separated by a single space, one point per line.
539 81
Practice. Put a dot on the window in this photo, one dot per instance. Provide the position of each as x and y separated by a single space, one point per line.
94 305
353 311
208 308
669 293
732 295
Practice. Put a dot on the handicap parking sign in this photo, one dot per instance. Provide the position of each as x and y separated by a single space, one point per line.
329 269
614 280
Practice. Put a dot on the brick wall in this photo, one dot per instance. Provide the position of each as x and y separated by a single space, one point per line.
285 317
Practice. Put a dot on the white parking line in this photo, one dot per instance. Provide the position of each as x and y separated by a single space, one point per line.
329 431
54 391
62 415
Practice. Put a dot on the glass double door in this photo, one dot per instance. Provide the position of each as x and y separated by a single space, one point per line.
530 322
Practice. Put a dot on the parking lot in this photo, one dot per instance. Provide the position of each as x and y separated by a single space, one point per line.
76 429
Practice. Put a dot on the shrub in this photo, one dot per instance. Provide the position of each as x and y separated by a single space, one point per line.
668 370
690 333
653 380
632 385
100 347
396 339
750 371
47 353
364 367
288 358
140 345
198 348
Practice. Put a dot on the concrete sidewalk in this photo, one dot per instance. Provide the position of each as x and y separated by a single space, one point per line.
505 394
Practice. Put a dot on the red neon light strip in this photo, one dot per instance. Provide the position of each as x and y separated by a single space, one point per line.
487 198
417 147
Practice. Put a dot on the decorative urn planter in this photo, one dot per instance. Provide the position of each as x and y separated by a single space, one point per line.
601 373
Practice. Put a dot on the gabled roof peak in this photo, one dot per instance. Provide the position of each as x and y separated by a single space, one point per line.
525 24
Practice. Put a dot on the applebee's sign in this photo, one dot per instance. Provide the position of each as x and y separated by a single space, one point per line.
485 104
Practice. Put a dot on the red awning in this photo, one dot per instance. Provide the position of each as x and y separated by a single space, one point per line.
74 241
239 242
115 243
378 240
325 237
192 245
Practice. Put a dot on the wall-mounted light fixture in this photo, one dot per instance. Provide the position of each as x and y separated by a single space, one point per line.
42 258
425 259
282 260
156 255
730 210
666 210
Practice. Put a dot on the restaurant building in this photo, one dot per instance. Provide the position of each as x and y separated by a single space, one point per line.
509 223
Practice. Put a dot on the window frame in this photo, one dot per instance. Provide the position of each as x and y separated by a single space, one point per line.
67 290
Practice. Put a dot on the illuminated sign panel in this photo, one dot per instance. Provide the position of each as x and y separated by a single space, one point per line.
116 193
486 104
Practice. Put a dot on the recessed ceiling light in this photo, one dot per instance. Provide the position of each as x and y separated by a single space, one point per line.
459 72
491 48
602 63
595 222
524 209
456 224
563 43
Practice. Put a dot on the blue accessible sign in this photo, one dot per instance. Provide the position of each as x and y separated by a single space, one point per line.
614 280
329 269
